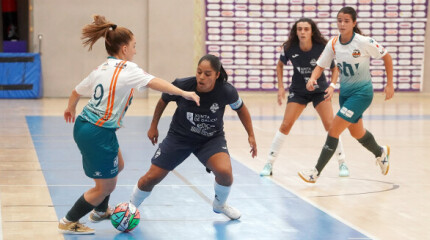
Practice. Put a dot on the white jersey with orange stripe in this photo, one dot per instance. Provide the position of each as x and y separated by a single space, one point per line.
353 61
111 86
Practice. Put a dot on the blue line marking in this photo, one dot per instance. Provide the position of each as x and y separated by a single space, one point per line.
175 210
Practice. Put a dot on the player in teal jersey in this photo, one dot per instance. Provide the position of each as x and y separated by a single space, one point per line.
111 87
303 47
352 52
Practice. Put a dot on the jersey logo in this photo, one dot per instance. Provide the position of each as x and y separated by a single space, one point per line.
190 117
295 55
115 162
356 53
214 107
291 95
346 112
120 66
313 62
97 174
157 153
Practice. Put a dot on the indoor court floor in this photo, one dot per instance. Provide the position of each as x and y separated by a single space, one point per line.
41 176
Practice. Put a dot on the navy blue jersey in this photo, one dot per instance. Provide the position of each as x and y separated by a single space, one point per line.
303 64
199 123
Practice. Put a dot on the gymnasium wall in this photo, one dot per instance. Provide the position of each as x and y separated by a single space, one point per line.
165 31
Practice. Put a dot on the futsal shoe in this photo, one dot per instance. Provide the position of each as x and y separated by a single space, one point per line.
382 161
227 210
96 216
309 176
343 170
74 228
267 170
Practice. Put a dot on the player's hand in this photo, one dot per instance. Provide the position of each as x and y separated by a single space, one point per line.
328 93
191 96
253 144
310 86
281 95
153 135
389 92
69 115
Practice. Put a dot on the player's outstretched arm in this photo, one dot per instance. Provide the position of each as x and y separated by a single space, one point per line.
245 118
164 86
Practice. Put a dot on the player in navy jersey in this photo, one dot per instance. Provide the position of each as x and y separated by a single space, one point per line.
111 87
352 51
303 48
198 130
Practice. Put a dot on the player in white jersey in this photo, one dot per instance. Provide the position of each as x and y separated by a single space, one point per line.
111 87
352 52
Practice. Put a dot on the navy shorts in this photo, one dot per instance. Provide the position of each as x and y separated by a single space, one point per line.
99 149
173 151
305 98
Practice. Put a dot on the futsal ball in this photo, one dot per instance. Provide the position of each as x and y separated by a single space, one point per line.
125 217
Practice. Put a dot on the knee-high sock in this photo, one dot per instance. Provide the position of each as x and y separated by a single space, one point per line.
79 209
102 207
369 142
277 142
326 153
340 153
138 196
221 194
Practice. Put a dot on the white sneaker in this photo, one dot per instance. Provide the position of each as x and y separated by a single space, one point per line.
382 161
267 170
96 217
309 176
227 210
343 170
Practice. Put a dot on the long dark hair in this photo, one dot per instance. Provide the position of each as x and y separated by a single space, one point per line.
115 37
293 39
351 11
216 66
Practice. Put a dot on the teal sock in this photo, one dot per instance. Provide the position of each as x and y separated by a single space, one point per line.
326 153
369 142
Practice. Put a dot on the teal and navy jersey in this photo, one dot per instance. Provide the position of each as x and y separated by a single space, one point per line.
304 63
353 60
111 86
195 123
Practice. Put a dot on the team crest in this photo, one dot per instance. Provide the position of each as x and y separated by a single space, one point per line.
356 53
214 107
313 62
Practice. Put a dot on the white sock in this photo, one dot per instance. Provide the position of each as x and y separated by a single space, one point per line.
221 194
340 153
138 196
277 142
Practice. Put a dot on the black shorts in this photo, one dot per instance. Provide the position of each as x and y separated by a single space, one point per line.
305 98
173 151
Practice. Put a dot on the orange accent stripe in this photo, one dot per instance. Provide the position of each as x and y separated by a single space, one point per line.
109 106
126 105
333 43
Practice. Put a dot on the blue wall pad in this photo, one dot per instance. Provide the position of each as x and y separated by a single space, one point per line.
20 75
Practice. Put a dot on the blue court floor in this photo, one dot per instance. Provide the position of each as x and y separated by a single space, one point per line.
180 206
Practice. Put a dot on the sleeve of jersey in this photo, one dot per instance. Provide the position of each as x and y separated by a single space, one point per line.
234 100
139 78
374 49
85 88
326 58
283 58
167 97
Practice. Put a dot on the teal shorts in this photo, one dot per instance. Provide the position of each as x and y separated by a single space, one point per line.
99 148
352 107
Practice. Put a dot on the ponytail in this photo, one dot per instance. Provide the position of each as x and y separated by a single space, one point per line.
114 36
